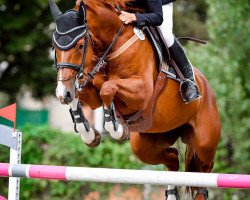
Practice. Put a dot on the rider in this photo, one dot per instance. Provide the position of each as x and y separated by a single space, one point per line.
160 13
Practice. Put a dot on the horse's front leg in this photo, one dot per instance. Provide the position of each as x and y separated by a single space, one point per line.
131 92
134 92
89 136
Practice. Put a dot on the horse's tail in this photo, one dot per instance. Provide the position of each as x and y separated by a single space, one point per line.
191 165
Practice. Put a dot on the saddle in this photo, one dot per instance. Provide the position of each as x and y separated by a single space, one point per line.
142 120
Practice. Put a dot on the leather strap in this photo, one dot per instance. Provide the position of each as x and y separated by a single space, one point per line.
169 58
78 117
123 48
178 71
142 119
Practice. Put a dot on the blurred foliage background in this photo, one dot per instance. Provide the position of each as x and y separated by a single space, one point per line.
25 63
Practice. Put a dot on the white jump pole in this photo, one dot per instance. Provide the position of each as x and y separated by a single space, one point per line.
127 176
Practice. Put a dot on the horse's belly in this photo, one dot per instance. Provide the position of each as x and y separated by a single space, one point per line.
170 111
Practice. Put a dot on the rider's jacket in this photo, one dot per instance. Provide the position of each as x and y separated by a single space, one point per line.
153 12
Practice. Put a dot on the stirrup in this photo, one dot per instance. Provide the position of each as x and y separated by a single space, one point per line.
182 90
202 191
174 192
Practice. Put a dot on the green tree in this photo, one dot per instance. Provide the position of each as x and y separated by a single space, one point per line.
190 18
225 61
25 38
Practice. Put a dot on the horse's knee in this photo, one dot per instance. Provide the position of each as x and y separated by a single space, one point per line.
108 88
108 91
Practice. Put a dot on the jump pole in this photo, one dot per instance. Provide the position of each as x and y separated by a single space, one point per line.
127 176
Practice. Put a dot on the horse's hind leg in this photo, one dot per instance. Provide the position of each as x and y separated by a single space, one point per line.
202 141
200 154
155 149
194 164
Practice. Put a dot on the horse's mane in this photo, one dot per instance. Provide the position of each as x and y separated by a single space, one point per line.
126 5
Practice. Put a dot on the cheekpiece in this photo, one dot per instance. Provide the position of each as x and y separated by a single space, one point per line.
68 30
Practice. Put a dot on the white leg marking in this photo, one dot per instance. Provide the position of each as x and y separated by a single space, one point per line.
171 196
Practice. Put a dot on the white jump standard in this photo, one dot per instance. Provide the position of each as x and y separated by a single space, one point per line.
211 180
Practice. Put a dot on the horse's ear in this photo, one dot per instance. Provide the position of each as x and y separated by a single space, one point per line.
54 10
81 14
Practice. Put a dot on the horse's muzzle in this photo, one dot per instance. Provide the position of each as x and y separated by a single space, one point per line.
68 98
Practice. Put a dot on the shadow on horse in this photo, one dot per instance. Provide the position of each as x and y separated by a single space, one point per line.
95 68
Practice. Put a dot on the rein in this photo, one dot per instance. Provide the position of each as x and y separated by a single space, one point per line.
101 63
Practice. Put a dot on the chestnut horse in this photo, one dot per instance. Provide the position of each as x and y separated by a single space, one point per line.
128 80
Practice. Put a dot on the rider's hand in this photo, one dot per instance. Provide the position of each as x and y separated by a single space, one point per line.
127 17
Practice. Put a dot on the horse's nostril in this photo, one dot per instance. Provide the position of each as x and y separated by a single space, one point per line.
68 97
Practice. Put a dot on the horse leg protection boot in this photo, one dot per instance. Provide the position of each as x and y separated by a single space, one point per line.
178 54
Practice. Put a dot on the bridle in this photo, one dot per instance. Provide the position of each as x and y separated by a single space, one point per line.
80 68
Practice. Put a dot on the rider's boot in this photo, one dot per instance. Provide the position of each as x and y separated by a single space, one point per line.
177 53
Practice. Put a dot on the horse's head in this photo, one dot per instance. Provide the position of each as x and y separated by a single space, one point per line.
73 42
72 49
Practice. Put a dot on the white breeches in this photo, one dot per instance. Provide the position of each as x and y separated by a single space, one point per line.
167 26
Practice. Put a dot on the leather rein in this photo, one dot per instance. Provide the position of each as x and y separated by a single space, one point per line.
80 68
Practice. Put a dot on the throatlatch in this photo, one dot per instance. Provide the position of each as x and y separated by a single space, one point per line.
78 117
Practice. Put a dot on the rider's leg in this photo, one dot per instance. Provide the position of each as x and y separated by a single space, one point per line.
178 54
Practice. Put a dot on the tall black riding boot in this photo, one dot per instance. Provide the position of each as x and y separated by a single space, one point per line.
177 53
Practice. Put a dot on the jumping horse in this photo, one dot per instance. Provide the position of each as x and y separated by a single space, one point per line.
102 62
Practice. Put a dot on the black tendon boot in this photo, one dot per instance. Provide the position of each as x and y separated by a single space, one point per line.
177 53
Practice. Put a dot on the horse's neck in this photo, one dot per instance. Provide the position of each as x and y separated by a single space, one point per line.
103 25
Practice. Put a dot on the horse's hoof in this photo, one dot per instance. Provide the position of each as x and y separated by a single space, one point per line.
202 192
96 141
125 135
172 194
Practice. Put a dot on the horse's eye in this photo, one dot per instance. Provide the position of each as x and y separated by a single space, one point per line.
80 46
52 47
